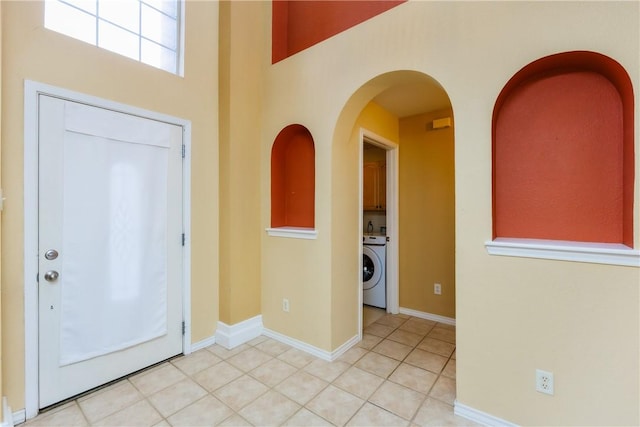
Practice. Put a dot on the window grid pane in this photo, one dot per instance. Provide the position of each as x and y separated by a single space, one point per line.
125 14
159 28
169 8
73 22
147 31
157 55
118 40
86 5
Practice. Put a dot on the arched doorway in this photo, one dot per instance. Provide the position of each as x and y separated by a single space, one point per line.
397 110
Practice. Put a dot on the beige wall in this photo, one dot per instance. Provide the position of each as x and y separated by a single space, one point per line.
513 315
376 119
580 321
427 215
31 52
346 215
426 206
242 30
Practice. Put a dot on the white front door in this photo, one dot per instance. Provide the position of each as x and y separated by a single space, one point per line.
110 245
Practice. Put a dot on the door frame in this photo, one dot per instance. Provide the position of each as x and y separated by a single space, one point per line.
392 219
32 90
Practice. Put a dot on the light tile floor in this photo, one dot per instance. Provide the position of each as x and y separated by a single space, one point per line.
402 373
371 314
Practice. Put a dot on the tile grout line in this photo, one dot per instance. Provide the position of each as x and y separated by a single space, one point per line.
269 388
253 344
311 398
365 401
414 347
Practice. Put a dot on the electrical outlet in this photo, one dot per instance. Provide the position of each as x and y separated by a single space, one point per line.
544 381
285 305
437 288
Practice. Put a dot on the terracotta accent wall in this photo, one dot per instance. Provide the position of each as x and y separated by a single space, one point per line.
560 147
297 25
293 178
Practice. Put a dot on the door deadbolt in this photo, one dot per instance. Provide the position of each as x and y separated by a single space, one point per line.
51 254
51 276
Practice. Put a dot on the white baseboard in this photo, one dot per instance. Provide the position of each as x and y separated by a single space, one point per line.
346 346
203 344
6 413
300 345
428 316
232 336
12 418
19 417
479 417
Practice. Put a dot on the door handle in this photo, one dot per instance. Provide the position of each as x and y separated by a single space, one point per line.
51 276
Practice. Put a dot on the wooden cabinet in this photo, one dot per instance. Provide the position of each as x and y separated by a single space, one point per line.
374 188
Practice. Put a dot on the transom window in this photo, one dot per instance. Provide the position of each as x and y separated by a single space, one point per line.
145 30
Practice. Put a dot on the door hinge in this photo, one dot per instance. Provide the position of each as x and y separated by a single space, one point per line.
184 327
183 239
184 151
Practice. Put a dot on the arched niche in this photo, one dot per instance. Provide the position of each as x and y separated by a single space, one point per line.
563 166
293 178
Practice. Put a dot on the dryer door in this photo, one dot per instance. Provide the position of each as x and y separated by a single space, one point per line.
371 268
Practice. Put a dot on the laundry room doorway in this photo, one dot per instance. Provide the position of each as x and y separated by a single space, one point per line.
379 220
408 115
414 112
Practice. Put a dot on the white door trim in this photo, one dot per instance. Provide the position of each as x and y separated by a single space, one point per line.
31 92
392 220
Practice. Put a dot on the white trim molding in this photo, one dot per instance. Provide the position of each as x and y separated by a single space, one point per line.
345 346
203 344
19 417
231 336
300 345
428 316
393 241
597 253
479 417
293 232
329 356
8 416
186 229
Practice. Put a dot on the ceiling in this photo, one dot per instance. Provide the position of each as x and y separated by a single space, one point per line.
409 99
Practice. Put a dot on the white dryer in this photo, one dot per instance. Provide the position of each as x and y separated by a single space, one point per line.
374 275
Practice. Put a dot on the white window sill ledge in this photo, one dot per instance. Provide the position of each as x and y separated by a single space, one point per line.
598 253
293 232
